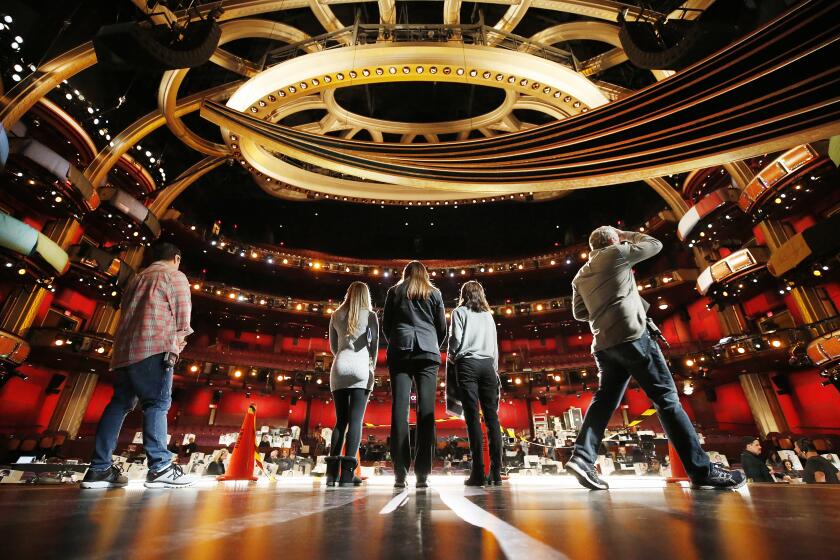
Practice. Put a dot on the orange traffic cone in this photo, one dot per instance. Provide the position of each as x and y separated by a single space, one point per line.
678 473
241 466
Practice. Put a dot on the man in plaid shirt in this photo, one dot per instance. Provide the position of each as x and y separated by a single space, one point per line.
154 324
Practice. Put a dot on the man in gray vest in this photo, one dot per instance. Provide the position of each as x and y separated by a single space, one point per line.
604 294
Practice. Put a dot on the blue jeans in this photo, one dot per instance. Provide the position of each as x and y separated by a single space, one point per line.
148 382
643 361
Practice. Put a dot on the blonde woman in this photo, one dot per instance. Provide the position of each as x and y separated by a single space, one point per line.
354 341
414 324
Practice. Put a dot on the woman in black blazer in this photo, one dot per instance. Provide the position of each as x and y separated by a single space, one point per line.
414 325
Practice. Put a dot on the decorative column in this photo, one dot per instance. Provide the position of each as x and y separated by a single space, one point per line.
73 402
764 403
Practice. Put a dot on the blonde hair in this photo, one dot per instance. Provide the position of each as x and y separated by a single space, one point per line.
416 278
356 302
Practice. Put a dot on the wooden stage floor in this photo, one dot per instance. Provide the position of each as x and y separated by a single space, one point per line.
538 518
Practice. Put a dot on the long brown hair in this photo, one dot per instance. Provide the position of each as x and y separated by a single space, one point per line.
472 296
416 278
357 304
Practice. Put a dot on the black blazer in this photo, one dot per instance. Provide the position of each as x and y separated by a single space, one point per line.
409 325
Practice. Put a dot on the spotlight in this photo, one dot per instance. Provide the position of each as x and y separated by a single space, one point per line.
194 368
689 362
776 343
518 381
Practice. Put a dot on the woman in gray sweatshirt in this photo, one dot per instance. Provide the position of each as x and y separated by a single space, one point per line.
474 349
354 342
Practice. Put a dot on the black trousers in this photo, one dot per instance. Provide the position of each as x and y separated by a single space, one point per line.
350 407
643 361
424 375
478 384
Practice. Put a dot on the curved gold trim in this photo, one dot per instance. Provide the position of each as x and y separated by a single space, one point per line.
168 194
97 171
171 81
26 93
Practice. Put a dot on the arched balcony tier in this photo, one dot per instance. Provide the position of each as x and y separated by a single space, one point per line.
787 184
49 181
735 276
29 255
13 350
126 219
69 350
716 215
96 273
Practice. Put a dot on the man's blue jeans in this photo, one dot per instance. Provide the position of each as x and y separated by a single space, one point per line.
148 382
643 361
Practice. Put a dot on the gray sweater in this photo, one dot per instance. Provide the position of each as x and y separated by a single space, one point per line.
604 291
351 365
472 335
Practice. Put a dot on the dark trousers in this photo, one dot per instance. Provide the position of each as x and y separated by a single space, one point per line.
478 384
424 374
350 407
148 382
643 361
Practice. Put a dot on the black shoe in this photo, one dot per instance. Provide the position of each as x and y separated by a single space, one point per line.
399 483
421 481
474 480
110 478
720 478
332 469
495 478
348 472
171 477
586 474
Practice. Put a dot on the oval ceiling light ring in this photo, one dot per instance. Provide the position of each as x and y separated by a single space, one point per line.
171 81
346 117
262 95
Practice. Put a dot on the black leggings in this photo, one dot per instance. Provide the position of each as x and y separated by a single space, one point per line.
478 385
350 407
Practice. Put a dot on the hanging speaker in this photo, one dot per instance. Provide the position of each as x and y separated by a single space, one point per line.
139 46
54 386
711 395
782 383
294 400
672 44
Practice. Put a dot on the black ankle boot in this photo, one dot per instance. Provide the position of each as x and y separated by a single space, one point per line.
495 478
348 474
476 477
332 469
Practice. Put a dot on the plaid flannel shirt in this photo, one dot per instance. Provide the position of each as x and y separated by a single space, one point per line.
155 315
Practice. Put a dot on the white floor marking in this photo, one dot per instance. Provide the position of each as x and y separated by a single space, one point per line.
396 502
514 543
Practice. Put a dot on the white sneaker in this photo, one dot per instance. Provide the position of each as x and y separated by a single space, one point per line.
171 477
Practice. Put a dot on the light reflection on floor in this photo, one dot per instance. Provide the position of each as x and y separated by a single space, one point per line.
548 517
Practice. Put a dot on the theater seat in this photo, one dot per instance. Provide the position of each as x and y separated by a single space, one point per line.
822 445
784 443
28 445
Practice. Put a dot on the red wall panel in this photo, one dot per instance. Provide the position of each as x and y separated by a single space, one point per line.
732 411
24 405
811 409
